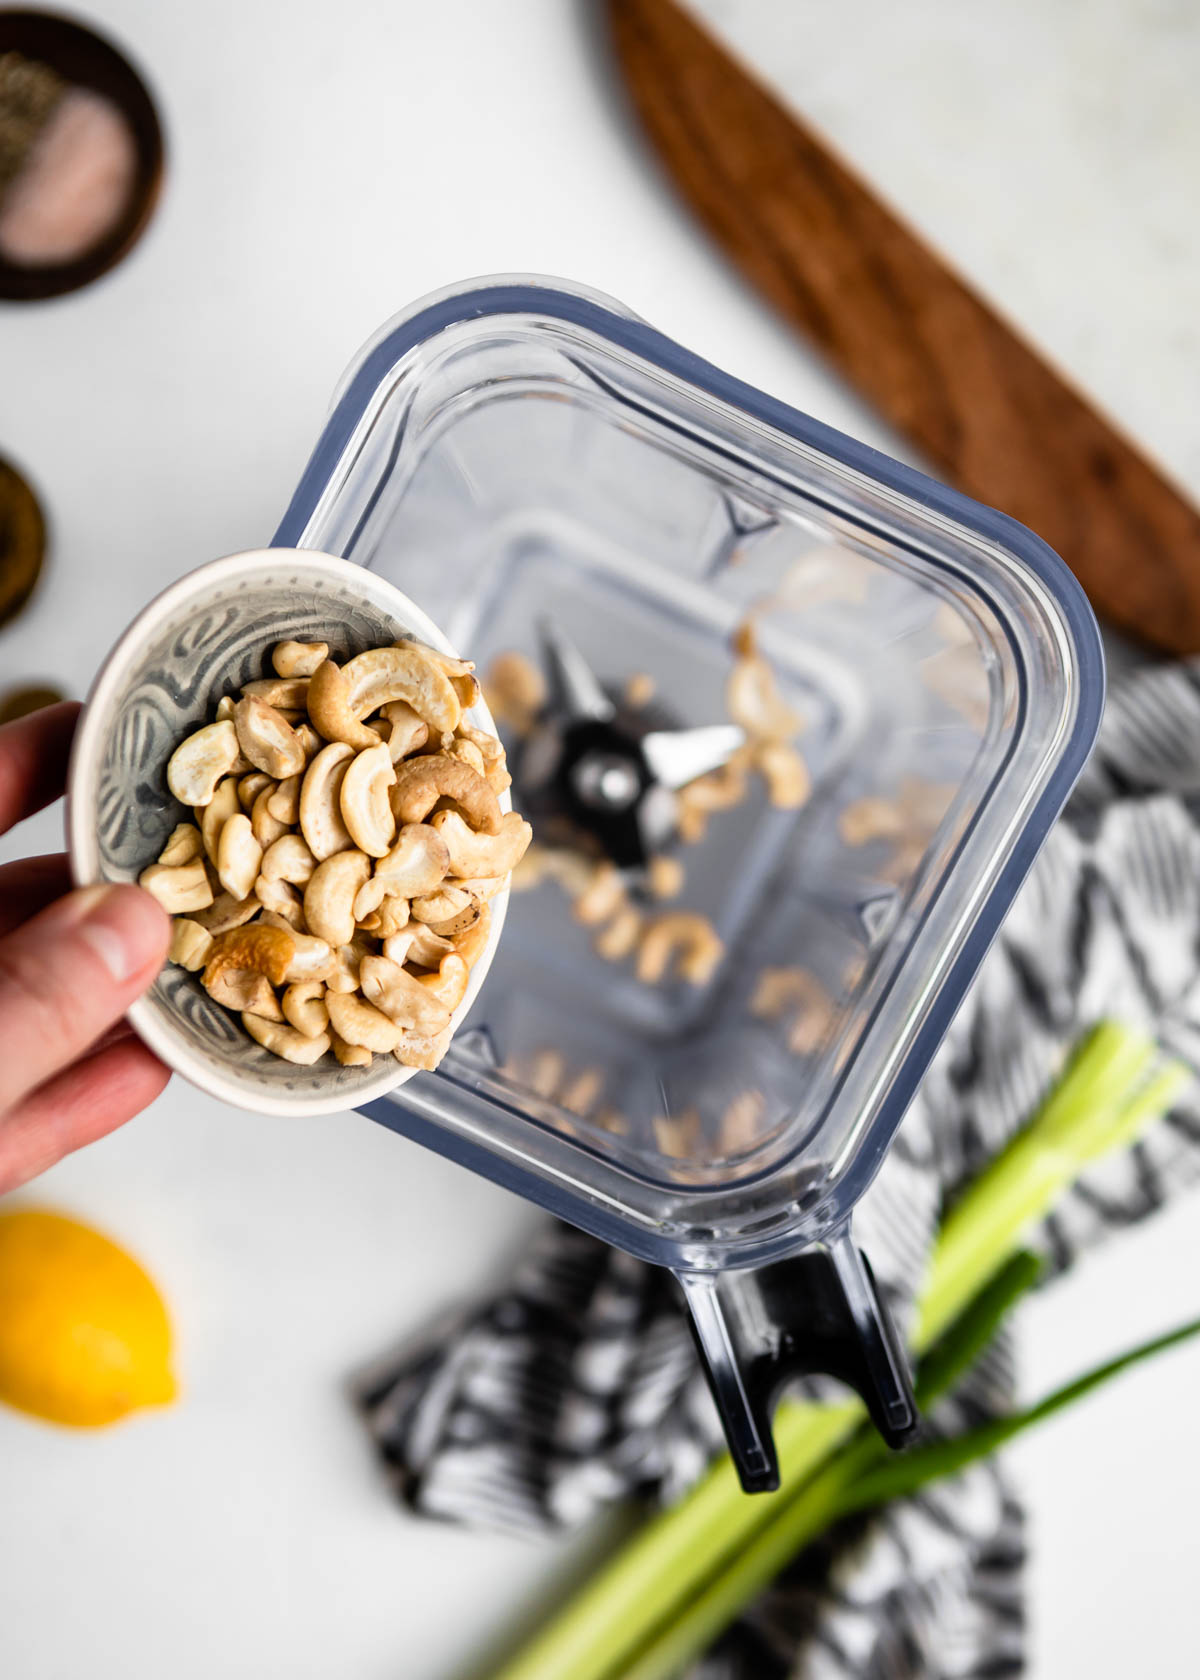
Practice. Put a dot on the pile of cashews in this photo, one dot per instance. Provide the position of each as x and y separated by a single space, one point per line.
335 887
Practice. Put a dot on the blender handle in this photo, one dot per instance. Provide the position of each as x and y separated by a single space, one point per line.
816 1312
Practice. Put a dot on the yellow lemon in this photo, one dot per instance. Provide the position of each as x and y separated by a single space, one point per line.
84 1334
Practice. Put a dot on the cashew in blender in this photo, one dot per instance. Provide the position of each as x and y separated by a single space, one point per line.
682 935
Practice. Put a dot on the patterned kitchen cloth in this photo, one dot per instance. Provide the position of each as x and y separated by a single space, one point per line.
577 1384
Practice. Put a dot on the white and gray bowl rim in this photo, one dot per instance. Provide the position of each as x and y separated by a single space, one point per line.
214 1075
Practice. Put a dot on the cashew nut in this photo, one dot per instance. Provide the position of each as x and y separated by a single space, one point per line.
223 805
304 1007
284 803
785 773
262 948
190 944
350 1055
329 897
251 786
391 916
640 689
343 976
267 829
415 866
241 989
515 690
495 767
284 693
617 940
665 876
408 671
471 854
754 701
364 800
458 926
329 707
288 859
470 945
603 896
180 887
402 998
320 804
309 740
460 671
285 1041
267 738
361 1023
227 912
684 934
225 707
281 899
468 752
239 856
298 659
579 1095
312 959
184 843
421 782
409 732
422 1050
440 907
417 944
449 983
197 764
799 994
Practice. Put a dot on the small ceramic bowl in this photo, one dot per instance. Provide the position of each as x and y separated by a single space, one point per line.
202 638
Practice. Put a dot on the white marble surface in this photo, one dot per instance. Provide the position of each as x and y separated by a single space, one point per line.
323 172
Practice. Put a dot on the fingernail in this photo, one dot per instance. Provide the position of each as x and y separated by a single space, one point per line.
122 925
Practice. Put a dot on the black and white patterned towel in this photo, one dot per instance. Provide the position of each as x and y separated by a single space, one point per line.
578 1385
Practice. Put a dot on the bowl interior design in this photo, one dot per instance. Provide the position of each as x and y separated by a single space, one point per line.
202 638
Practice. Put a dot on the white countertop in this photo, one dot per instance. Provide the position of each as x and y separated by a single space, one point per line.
318 182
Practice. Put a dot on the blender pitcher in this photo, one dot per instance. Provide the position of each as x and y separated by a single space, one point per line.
550 478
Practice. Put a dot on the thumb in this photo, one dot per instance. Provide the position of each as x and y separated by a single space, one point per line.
68 973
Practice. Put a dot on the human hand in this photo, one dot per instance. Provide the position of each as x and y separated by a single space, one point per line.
71 963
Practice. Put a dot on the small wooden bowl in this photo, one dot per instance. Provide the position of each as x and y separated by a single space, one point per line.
87 60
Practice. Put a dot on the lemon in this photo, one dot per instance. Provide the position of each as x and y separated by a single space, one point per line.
84 1334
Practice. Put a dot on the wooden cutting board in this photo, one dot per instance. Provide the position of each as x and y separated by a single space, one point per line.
980 404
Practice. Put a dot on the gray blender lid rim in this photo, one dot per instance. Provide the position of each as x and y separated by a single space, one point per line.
548 298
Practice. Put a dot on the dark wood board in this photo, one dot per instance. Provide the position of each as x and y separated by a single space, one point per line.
986 411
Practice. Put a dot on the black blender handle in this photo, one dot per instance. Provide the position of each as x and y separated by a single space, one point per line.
818 1312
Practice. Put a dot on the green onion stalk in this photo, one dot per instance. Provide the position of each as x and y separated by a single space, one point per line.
690 1571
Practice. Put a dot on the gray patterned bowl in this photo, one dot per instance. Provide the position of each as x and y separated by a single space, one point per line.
198 640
